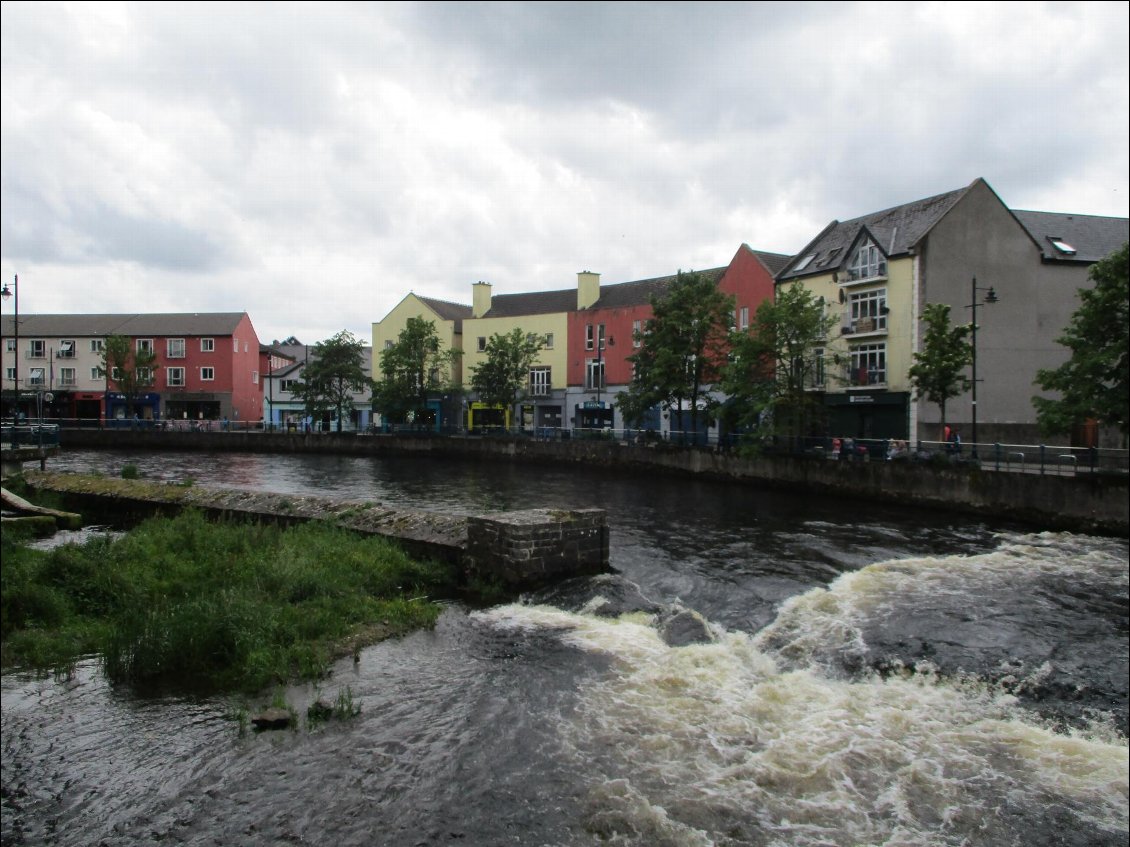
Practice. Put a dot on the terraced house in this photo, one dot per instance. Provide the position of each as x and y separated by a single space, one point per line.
876 274
207 367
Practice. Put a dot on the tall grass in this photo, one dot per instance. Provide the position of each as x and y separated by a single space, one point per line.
220 605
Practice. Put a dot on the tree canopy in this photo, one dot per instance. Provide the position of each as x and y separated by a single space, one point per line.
773 367
1093 382
335 372
682 346
503 376
412 368
938 372
131 369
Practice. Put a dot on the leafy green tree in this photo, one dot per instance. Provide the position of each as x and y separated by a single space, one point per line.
683 345
133 371
773 367
1093 382
503 376
413 368
938 372
335 372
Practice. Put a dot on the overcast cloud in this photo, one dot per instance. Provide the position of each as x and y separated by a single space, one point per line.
312 164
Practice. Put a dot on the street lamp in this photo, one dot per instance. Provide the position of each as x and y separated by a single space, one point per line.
6 293
990 297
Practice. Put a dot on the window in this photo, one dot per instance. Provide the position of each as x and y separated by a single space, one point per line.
388 343
817 376
589 337
549 341
144 376
36 376
116 374
175 348
10 345
868 364
207 374
867 262
174 377
145 345
36 349
594 374
540 382
95 373
482 343
235 345
97 345
1061 245
10 374
288 384
637 333
207 345
869 311
66 349
67 376
255 377
805 262
743 322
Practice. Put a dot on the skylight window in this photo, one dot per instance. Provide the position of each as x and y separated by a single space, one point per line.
1061 245
805 262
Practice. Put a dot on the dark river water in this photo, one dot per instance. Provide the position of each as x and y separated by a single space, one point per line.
876 676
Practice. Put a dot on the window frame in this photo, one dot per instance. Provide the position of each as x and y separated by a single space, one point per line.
172 374
207 373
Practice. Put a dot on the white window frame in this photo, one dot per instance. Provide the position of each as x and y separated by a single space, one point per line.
68 376
36 348
95 373
174 348
10 374
97 345
37 376
207 345
549 341
235 344
174 377
482 343
541 381
66 349
255 377
743 321
590 335
143 376
867 262
144 345
594 370
207 374
637 333
10 345
869 305
865 358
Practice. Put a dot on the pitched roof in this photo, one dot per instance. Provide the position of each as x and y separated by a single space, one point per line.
1090 236
133 325
640 292
895 230
532 303
774 262
448 311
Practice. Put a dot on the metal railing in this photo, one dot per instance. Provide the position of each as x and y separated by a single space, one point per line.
13 435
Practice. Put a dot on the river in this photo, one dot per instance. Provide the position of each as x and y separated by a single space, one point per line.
877 676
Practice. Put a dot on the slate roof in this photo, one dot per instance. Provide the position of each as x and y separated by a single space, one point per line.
895 230
133 325
1093 237
640 292
532 303
447 311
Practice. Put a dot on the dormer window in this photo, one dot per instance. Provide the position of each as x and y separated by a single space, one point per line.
867 262
1061 245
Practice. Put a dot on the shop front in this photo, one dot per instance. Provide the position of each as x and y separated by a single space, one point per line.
869 414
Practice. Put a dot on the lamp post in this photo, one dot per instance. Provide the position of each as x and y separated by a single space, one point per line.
6 293
990 297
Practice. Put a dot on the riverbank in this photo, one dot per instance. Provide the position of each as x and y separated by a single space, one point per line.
1083 502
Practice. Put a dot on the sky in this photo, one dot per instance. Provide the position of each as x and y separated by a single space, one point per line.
312 164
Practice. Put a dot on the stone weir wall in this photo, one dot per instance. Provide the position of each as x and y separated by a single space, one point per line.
1083 503
517 550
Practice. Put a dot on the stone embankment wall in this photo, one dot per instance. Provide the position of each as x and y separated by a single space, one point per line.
1087 503
514 549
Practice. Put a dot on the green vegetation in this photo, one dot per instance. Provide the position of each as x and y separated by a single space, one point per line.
501 379
130 472
335 371
1094 383
414 369
222 606
938 372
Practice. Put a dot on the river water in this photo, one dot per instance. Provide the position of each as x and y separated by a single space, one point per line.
876 676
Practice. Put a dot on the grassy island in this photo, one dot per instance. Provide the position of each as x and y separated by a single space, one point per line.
225 606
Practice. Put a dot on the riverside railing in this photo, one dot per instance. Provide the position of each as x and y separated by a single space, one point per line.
1005 457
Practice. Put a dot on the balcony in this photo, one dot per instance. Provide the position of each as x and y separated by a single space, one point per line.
866 378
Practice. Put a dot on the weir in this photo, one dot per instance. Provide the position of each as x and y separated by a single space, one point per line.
515 550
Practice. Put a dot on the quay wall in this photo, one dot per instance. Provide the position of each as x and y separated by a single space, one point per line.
1082 502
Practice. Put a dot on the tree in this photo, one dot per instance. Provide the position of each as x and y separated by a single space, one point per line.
502 378
334 373
133 370
938 372
414 367
1093 382
774 366
683 344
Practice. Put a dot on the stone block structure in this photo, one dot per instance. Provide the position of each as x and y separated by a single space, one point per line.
536 546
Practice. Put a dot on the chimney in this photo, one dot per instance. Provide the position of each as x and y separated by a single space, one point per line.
588 289
480 301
